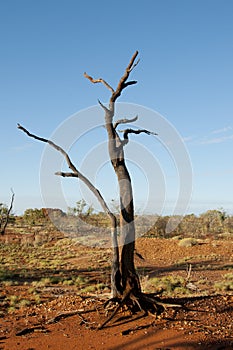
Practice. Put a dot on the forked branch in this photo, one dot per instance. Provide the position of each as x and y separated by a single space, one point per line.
100 80
133 131
123 83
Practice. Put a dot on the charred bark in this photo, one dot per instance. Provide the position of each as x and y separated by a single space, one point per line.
129 278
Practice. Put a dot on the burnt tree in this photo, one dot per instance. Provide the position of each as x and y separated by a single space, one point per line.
125 283
125 270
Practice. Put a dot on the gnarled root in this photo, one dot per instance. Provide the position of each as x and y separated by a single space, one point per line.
137 301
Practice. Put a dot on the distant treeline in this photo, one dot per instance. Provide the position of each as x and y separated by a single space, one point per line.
210 223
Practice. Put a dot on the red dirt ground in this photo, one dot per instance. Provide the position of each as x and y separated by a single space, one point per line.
203 322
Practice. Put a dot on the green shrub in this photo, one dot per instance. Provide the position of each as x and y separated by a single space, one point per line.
34 216
168 285
226 284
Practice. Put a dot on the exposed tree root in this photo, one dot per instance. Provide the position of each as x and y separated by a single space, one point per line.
79 313
138 301
28 330
122 303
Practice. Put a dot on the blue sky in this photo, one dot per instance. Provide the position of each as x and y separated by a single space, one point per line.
185 74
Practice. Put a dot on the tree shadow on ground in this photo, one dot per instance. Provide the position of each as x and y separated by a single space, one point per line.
182 328
172 343
206 265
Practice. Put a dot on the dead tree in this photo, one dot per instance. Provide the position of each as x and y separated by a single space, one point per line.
125 282
5 215
127 272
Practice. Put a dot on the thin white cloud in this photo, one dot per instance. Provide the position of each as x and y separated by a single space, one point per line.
188 138
216 140
220 131
21 147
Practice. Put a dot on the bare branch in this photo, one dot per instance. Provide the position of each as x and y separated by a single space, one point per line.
125 121
52 144
103 106
65 174
100 80
132 131
189 270
135 64
7 214
138 131
131 64
131 82
122 83
12 201
75 171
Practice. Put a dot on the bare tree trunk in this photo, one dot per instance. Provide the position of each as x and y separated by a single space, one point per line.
127 228
4 220
128 271
129 278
